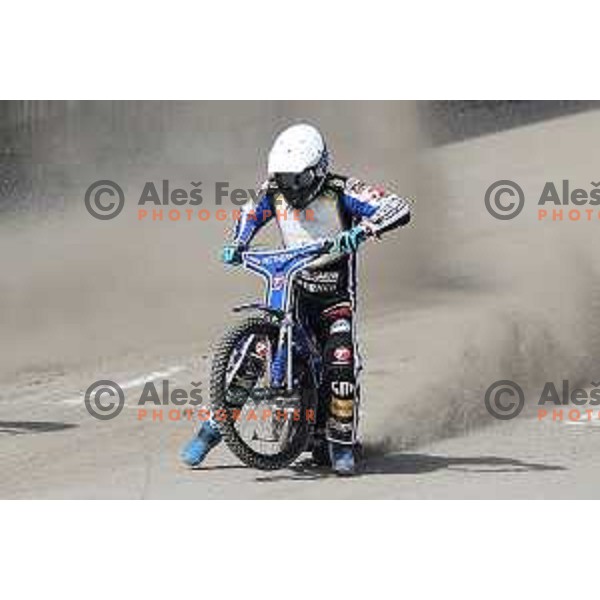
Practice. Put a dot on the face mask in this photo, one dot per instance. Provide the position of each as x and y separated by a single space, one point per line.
294 184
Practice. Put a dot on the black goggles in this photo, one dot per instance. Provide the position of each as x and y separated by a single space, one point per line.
295 181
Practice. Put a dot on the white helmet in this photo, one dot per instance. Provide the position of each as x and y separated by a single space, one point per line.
299 163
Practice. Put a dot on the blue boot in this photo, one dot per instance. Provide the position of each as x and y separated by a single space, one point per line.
196 450
342 459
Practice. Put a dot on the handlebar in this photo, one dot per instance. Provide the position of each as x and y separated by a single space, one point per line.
322 247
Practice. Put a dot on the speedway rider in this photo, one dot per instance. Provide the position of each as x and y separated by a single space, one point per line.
324 206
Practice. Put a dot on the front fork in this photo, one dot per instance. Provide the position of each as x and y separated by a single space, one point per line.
282 366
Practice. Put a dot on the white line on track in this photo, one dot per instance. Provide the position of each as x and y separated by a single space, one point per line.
595 423
136 382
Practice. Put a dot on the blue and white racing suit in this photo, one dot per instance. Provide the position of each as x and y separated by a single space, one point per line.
327 291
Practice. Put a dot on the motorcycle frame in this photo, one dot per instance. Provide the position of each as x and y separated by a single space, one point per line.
278 269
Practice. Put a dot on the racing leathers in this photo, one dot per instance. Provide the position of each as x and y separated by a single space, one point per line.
327 290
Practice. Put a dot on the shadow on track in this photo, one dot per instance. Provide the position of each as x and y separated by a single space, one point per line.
217 467
23 427
413 464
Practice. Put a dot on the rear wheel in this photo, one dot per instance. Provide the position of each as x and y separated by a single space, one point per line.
265 428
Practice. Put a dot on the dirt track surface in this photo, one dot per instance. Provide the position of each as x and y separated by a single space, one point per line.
451 305
51 448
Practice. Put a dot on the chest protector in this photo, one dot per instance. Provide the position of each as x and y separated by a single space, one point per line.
323 218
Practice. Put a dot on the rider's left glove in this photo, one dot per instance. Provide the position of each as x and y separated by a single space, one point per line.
349 241
232 254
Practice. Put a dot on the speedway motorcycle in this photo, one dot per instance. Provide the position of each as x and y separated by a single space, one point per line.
266 369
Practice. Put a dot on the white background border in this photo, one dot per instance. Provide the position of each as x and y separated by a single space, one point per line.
298 550
224 49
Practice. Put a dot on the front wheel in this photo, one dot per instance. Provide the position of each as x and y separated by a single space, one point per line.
265 428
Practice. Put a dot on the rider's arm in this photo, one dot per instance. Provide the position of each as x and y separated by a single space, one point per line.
376 210
252 217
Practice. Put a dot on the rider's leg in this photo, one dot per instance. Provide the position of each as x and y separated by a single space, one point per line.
339 381
208 435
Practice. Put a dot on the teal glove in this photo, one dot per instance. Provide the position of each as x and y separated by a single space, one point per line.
231 254
349 241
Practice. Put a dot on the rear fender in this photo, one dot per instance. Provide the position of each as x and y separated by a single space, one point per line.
274 312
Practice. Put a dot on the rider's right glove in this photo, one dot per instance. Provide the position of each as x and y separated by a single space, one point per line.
232 254
348 241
